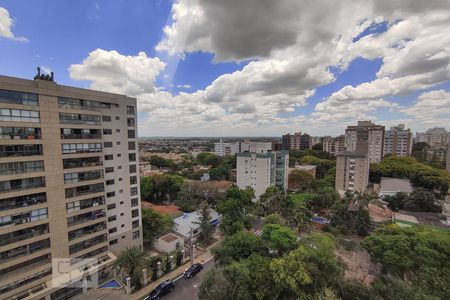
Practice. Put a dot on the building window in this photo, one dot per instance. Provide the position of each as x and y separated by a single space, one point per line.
110 182
119 167
106 118
132 168
112 218
107 144
64 102
131 134
112 230
135 224
117 118
105 105
131 122
130 110
133 180
109 157
134 202
69 118
135 213
81 148
131 146
133 191
136 234
19 115
132 157
111 206
122 214
109 169
113 242
18 98
117 130
110 194
19 133
118 142
107 131
21 167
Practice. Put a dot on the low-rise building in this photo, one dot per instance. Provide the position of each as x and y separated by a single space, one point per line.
189 222
392 186
168 243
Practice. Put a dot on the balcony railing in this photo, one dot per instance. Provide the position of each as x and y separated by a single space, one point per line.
84 204
22 201
88 230
24 250
25 267
23 234
82 162
81 136
22 184
84 190
23 218
86 217
19 152
87 244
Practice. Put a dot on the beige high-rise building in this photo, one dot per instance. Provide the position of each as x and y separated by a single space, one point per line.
333 145
366 138
398 141
68 182
434 137
262 170
352 172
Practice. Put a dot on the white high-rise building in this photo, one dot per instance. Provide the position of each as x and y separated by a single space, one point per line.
223 149
262 170
398 141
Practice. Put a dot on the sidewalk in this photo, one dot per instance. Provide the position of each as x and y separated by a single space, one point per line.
142 293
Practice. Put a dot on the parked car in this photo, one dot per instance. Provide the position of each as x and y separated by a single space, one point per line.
192 270
162 289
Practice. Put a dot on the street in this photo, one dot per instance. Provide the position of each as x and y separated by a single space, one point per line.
187 289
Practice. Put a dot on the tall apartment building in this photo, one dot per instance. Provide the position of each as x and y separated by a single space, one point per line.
223 149
305 142
333 145
262 170
434 137
366 138
398 141
291 141
69 184
352 172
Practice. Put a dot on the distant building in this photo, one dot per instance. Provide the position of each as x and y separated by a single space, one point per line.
305 142
398 141
291 141
276 146
223 149
316 140
352 172
434 137
333 145
392 186
366 138
183 225
262 170
259 147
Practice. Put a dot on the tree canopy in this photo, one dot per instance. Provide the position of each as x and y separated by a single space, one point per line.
154 224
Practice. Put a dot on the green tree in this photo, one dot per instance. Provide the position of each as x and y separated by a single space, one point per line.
219 173
300 180
274 219
209 159
206 229
132 261
326 198
415 254
350 214
279 238
154 224
215 286
238 246
271 200
146 188
322 165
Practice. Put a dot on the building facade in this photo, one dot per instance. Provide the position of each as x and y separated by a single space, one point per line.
223 149
447 166
398 141
333 145
352 172
434 137
305 142
366 138
260 171
291 141
69 181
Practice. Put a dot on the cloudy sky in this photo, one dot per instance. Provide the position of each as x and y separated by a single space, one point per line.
243 67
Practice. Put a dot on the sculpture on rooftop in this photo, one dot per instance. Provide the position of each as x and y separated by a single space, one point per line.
46 77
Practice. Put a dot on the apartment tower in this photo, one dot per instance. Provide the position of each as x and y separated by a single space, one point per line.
352 172
398 141
366 138
69 182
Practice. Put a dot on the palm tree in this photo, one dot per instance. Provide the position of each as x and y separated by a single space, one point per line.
132 261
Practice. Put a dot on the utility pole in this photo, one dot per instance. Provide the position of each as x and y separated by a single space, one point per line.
191 247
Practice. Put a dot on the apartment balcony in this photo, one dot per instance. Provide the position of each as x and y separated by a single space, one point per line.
86 231
23 234
72 178
32 249
72 163
23 218
21 184
22 201
86 217
80 136
20 150
35 283
84 190
75 206
36 264
85 245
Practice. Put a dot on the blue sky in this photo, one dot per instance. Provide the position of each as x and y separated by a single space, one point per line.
214 68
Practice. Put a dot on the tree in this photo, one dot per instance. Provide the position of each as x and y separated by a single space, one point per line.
132 261
146 188
215 286
325 198
419 200
206 229
318 146
271 200
209 159
415 254
322 165
279 238
274 219
300 180
219 173
238 246
163 187
154 224
350 214
187 200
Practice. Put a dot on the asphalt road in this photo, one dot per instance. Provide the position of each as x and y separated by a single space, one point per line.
187 289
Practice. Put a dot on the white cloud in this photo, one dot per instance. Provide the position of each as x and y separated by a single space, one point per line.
431 109
6 24
184 86
116 73
290 46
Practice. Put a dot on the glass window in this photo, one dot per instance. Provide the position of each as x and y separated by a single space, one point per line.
106 118
131 146
19 115
14 97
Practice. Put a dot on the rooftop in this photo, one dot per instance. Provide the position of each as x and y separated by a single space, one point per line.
395 185
172 210
188 221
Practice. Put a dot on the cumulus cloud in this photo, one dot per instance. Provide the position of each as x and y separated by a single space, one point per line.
289 47
431 108
6 24
116 73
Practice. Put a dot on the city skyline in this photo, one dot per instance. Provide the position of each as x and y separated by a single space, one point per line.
196 80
